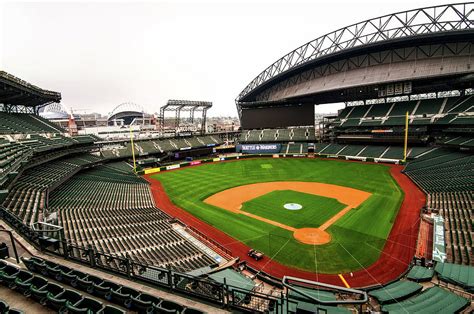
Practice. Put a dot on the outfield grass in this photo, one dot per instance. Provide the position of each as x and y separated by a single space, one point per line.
316 209
357 238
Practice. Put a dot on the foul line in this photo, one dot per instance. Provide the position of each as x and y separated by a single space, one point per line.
344 281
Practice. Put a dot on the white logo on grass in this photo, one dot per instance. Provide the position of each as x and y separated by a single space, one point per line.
292 206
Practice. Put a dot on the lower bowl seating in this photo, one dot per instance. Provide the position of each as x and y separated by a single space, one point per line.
56 297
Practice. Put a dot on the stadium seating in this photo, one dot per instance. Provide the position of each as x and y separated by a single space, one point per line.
268 136
374 151
332 149
295 148
351 150
145 147
417 151
283 135
460 275
367 151
318 147
396 291
442 170
420 274
28 195
459 141
393 152
84 293
12 156
421 112
12 123
456 209
277 135
431 300
121 219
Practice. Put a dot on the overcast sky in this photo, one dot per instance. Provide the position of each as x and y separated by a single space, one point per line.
100 54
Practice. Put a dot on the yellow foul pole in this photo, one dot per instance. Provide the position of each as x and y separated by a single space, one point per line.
405 146
133 150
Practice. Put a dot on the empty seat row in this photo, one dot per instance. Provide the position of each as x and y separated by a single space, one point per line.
50 293
442 170
121 295
12 123
277 135
145 147
26 198
421 112
121 219
457 210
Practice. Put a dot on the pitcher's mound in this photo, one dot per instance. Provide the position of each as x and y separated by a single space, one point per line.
312 236
292 206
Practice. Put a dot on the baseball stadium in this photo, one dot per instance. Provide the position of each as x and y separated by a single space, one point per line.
369 209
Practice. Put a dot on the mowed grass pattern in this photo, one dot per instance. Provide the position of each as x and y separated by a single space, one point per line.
316 209
357 238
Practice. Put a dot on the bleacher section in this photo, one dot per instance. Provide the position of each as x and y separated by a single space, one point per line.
145 147
332 149
455 110
277 135
460 275
12 155
420 274
294 148
442 170
62 289
393 152
414 152
395 292
351 150
121 219
362 151
13 123
431 300
27 197
40 144
458 141
457 210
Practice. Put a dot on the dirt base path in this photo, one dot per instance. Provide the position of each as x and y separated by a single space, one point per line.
394 259
233 198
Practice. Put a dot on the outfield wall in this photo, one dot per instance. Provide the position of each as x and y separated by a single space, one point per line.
263 155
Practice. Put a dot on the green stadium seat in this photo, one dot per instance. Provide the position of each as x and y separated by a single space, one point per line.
432 300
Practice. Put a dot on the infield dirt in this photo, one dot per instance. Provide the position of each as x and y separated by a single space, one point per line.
232 200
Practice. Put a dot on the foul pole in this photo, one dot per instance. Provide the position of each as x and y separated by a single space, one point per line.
405 145
133 150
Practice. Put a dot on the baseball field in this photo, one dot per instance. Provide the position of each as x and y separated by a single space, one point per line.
315 215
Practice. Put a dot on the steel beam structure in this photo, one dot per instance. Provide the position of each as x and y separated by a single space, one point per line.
442 19
17 95
178 106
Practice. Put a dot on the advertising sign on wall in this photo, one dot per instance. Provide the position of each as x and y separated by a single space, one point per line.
171 167
258 148
152 170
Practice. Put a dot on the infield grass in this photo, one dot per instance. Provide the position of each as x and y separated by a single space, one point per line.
316 209
357 238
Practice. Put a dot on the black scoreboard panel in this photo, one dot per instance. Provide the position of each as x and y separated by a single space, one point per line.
277 117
